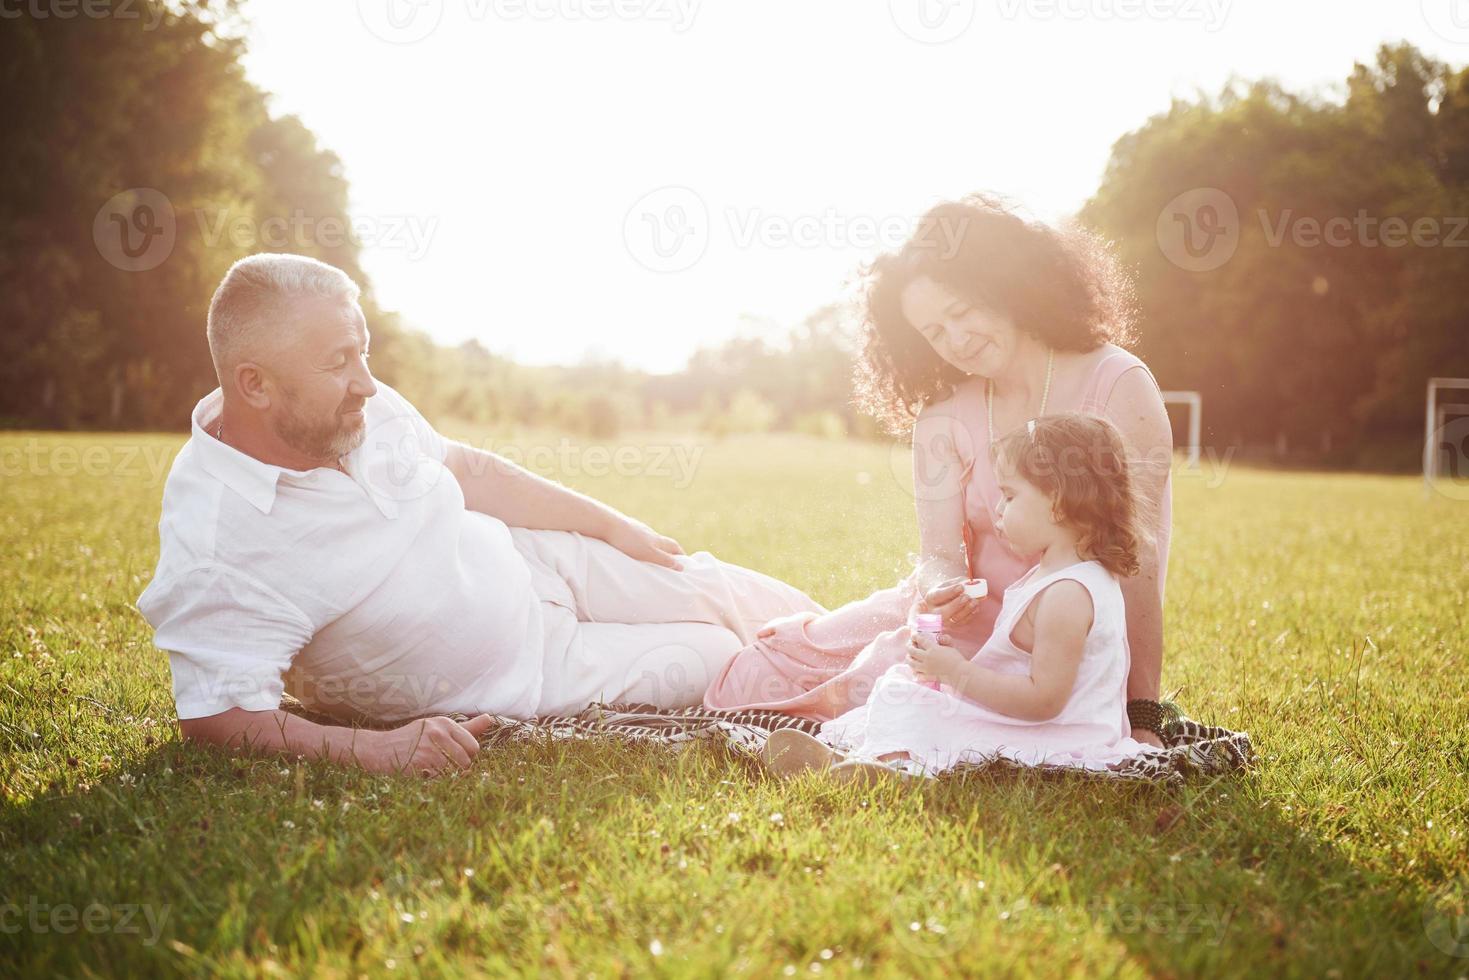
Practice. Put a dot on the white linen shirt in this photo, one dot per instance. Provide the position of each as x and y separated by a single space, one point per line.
376 593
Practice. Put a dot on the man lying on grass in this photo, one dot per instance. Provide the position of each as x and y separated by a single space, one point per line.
319 537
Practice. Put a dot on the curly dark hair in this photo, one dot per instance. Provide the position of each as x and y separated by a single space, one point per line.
1081 463
1061 285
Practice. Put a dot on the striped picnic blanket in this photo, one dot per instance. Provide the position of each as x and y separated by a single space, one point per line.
1192 749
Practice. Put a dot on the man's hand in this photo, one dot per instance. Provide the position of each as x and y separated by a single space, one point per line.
640 541
426 748
934 659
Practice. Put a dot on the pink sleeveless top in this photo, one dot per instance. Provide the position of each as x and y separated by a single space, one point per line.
990 556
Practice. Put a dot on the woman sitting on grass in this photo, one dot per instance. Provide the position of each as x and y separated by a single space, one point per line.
981 321
1049 687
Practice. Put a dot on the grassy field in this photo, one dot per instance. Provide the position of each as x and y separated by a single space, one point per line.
1324 614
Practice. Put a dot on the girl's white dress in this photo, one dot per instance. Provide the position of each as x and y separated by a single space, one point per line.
939 730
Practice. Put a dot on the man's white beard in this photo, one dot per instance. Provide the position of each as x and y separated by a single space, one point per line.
325 439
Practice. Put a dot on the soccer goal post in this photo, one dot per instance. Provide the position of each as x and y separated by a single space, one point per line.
1195 403
1445 432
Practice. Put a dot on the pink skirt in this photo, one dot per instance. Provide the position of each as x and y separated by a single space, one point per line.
820 666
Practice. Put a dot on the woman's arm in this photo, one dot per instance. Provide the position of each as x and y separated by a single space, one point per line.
1144 630
939 500
1136 408
1063 616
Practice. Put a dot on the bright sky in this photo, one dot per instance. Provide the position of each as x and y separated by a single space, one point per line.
637 178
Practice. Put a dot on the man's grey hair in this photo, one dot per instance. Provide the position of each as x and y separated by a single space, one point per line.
256 296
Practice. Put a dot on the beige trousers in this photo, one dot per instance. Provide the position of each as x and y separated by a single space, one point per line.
619 629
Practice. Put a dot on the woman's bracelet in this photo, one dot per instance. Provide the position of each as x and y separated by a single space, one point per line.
1149 715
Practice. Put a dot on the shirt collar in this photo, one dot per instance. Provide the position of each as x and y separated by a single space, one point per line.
248 476
245 475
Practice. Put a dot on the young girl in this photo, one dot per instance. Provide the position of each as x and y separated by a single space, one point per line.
1049 686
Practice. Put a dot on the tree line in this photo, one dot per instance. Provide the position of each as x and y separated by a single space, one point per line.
1300 260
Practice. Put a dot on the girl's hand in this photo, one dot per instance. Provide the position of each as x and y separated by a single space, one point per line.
934 659
949 601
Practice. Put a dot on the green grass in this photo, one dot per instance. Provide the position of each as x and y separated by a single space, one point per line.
1325 614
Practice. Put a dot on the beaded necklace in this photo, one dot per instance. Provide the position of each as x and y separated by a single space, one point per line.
989 394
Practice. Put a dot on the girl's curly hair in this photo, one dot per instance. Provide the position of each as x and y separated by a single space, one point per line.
1080 462
1061 285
